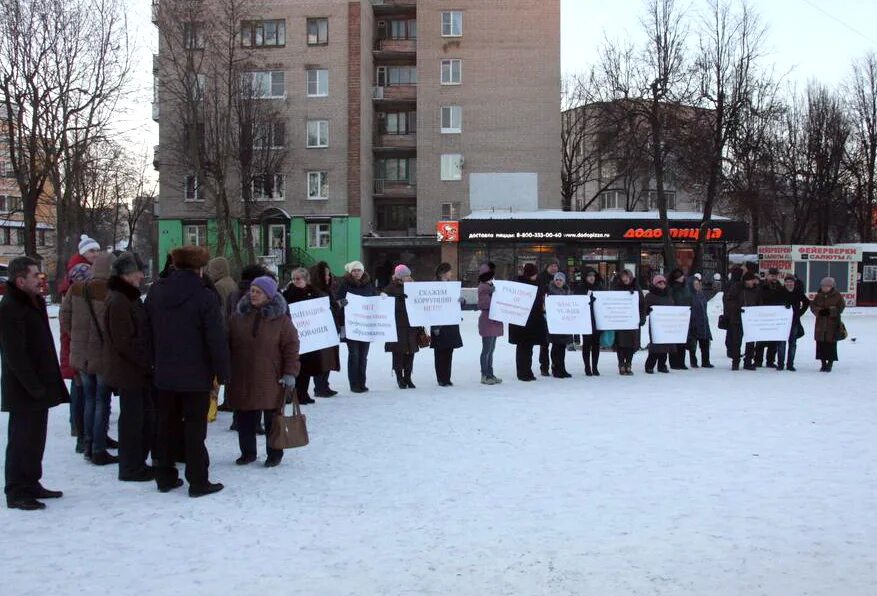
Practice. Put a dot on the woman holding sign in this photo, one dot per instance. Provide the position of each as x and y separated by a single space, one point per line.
534 332
627 342
444 338
356 281
591 343
827 306
488 329
559 342
659 295
406 344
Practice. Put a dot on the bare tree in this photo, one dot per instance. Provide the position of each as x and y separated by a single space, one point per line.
861 91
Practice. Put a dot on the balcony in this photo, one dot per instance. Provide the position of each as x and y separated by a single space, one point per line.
155 111
156 162
395 189
396 93
394 7
395 143
388 50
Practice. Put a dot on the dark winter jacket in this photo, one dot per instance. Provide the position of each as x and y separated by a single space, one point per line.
318 280
264 346
827 306
773 293
363 287
750 296
700 320
660 297
406 335
732 305
630 338
321 361
445 337
188 341
798 301
487 327
535 332
584 289
127 345
31 376
681 292
557 338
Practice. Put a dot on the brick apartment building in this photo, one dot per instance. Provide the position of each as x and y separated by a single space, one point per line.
397 114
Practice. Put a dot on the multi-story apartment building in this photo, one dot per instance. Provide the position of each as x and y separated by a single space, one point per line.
393 115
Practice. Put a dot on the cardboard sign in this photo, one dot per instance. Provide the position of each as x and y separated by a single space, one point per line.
315 324
432 303
669 324
370 319
568 315
512 302
616 311
766 323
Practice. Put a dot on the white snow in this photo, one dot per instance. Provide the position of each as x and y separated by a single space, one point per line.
706 482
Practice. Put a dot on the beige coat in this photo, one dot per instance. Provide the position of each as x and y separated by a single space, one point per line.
827 325
87 332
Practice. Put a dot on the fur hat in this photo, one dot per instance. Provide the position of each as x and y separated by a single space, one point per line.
190 257
128 262
401 271
353 265
658 278
267 284
86 244
827 281
561 276
529 270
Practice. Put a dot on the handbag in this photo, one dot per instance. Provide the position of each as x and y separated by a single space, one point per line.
723 322
288 432
423 340
841 331
607 338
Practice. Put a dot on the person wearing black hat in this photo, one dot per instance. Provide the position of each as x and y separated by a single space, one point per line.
534 332
772 294
544 280
444 339
128 356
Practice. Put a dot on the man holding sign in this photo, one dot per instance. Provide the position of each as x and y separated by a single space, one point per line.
510 302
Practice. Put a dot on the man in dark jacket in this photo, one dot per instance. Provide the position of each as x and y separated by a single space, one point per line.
750 295
682 296
544 279
189 351
31 383
534 332
797 300
128 367
772 294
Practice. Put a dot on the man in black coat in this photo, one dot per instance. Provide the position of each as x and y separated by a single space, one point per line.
772 294
189 351
546 276
30 385
797 300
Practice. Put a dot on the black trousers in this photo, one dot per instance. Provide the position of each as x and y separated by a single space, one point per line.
248 422
768 347
357 362
443 360
659 359
24 452
544 357
558 357
136 429
193 408
704 345
625 356
302 382
524 360
677 357
591 351
403 364
749 353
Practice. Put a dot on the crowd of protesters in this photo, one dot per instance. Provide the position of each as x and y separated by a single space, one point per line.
167 354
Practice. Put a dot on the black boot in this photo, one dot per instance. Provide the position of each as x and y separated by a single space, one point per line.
828 365
693 359
588 371
400 380
407 379
595 358
735 364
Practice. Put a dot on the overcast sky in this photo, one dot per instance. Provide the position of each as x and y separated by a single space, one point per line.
808 39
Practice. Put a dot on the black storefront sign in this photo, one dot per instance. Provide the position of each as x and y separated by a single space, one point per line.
590 230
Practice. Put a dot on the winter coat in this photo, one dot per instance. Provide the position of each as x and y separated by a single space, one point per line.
264 346
127 342
78 269
321 361
681 293
445 337
487 327
83 318
363 287
773 294
630 338
31 376
535 331
700 320
586 289
798 301
827 325
750 297
188 341
558 338
659 297
406 335
318 280
732 305
219 272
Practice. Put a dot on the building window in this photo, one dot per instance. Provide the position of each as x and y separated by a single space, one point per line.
396 169
451 211
391 76
267 187
452 166
195 234
193 189
403 29
270 135
19 233
652 200
257 34
6 170
452 119
452 23
7 236
41 238
197 85
396 217
318 186
397 123
318 133
318 82
264 85
319 235
318 32
612 200
452 71
193 36
9 203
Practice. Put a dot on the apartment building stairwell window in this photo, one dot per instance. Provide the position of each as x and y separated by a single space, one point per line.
452 71
612 200
651 199
452 119
268 187
264 33
318 82
452 23
193 189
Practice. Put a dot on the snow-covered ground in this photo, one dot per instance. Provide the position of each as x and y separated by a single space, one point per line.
706 482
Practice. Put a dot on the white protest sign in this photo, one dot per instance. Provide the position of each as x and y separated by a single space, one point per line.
315 324
616 311
669 324
433 303
512 302
767 323
370 319
568 315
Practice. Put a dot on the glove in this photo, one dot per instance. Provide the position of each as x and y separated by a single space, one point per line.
491 290
825 312
788 306
288 381
462 301
631 290
343 302
405 296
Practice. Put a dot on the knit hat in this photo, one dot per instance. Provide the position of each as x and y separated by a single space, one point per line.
353 265
401 271
790 277
529 270
128 262
827 281
86 244
658 278
749 276
561 276
267 284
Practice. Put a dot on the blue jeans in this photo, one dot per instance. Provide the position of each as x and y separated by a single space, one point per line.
76 409
488 345
357 362
96 417
781 351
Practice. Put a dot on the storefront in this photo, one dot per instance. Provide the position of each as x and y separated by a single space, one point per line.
811 264
606 241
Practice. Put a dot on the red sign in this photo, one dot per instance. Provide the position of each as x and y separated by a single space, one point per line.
675 233
448 231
